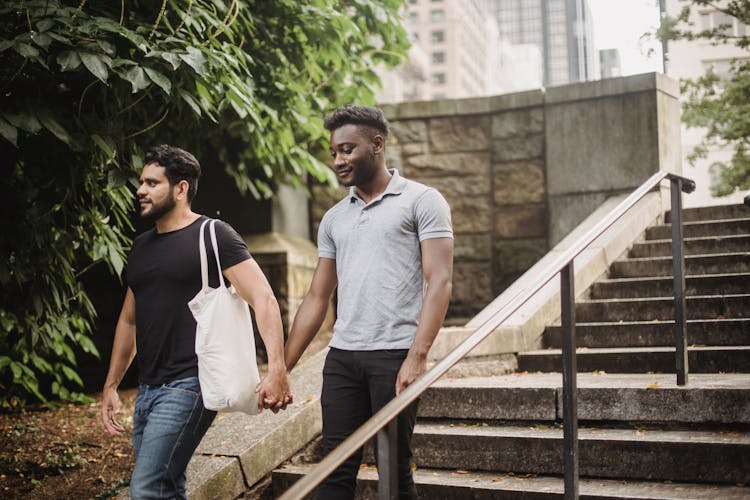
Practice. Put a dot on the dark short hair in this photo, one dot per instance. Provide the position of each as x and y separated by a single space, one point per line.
358 115
179 165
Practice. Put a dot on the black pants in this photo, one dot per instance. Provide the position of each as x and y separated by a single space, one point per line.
356 384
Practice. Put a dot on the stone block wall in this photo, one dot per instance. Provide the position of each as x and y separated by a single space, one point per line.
521 170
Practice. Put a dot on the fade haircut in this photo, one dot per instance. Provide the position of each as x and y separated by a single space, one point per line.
362 116
179 165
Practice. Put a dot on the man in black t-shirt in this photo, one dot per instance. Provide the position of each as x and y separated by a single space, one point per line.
155 325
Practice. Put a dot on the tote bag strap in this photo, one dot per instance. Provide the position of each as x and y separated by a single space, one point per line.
204 258
216 252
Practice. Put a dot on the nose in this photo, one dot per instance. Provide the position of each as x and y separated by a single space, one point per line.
141 191
338 160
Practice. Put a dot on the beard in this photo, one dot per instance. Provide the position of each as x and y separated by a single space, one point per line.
363 171
158 210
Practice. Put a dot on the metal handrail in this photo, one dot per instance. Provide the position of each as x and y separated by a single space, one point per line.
563 263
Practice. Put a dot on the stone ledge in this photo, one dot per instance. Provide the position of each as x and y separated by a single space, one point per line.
522 330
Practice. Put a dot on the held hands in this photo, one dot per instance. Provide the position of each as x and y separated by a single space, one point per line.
411 369
109 411
273 391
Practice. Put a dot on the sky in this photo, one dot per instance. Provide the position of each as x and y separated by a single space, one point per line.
619 24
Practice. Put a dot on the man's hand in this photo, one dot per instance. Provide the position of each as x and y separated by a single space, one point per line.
110 410
273 391
412 368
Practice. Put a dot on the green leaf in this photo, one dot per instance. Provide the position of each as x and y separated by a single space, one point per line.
27 51
71 375
96 64
68 60
45 24
195 59
191 102
53 126
25 121
159 79
8 131
137 78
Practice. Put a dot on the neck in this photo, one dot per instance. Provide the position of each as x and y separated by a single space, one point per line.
376 186
175 219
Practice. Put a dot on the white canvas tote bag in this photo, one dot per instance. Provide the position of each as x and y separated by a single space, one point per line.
224 343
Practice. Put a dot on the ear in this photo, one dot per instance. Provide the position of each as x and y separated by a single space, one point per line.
378 144
182 189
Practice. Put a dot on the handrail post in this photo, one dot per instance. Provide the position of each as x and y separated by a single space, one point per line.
569 373
387 462
678 272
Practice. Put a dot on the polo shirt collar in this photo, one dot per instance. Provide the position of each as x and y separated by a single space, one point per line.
395 187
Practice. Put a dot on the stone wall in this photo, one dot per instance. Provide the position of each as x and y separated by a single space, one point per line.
522 170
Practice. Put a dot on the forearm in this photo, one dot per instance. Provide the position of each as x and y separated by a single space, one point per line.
123 352
434 308
307 322
270 328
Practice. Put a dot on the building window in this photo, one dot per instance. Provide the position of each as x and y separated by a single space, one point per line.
438 57
413 2
437 15
437 36
438 78
414 17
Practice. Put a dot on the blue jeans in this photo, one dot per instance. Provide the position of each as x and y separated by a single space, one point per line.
168 423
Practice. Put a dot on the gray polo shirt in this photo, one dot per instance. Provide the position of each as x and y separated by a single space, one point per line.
379 262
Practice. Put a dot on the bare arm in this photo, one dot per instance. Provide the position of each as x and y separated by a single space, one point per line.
312 312
437 265
123 352
251 284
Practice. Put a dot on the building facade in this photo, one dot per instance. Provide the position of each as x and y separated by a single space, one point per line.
691 59
562 31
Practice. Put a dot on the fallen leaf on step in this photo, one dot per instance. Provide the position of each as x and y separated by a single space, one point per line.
640 432
653 385
654 321
497 480
526 476
461 471
720 316
520 374
697 345
226 441
599 372
413 466
679 488
541 426
308 399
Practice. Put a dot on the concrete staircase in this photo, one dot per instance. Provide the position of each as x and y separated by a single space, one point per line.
640 435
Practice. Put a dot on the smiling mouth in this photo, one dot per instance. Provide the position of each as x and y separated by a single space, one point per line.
344 171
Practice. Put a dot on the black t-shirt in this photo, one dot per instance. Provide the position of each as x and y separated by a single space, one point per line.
164 272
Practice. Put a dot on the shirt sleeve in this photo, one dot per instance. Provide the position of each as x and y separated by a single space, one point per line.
232 248
433 216
326 246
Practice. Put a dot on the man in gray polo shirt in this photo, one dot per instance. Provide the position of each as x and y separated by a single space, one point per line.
388 247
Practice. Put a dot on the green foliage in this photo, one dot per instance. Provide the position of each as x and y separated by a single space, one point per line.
87 86
719 103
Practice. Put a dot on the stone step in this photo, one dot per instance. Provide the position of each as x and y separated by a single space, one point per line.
699 229
692 246
715 212
662 308
445 484
677 455
729 263
663 286
735 331
713 359
708 398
